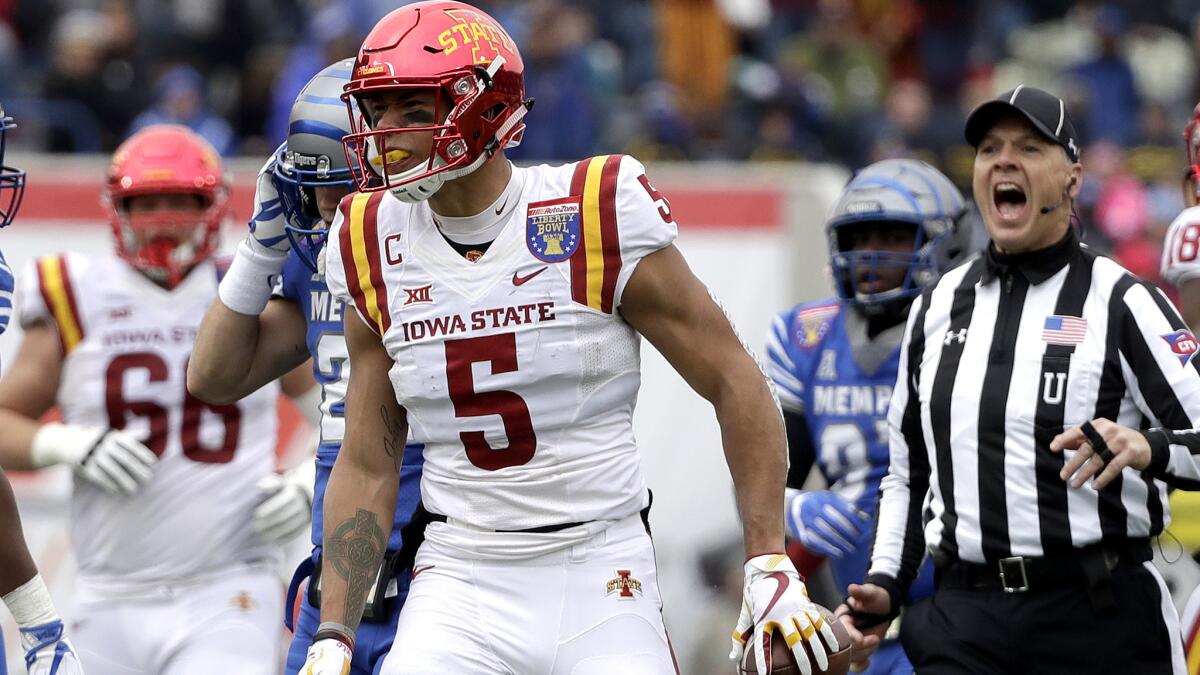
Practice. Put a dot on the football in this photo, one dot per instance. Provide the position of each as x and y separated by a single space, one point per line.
780 659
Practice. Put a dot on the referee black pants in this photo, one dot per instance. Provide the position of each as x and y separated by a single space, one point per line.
1050 631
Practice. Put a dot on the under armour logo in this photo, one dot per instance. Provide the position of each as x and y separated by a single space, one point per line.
959 336
417 295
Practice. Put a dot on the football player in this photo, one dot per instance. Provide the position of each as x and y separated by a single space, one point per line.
1181 268
47 651
497 314
896 225
250 337
173 575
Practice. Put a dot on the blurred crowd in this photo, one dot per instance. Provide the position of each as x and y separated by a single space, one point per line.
846 81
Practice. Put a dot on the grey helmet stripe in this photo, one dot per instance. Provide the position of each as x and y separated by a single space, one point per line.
1012 100
1061 116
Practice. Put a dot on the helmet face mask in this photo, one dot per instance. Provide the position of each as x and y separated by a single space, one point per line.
895 197
181 177
476 72
12 179
313 157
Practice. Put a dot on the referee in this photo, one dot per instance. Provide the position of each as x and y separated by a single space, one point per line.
1031 442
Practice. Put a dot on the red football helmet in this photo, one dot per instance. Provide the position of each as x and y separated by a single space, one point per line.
472 64
1191 141
166 159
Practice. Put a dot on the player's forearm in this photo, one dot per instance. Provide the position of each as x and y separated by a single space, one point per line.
755 448
16 565
359 504
16 441
235 354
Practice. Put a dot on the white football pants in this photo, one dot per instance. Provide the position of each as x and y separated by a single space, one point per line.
226 624
589 609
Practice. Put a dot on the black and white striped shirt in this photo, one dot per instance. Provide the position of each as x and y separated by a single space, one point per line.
998 357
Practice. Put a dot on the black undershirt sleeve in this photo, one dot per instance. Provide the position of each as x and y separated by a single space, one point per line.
801 451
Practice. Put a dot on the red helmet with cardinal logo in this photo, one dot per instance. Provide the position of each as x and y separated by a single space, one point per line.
473 66
166 159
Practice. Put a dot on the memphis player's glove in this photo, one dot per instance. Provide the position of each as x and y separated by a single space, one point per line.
327 657
267 231
774 598
47 652
287 509
110 458
825 522
247 286
6 293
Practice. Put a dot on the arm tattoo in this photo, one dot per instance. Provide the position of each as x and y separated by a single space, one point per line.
355 552
393 440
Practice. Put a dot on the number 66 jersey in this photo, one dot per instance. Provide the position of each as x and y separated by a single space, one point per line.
516 370
125 344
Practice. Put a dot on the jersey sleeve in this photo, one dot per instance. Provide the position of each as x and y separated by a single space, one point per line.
781 365
353 264
1181 248
7 284
622 220
49 293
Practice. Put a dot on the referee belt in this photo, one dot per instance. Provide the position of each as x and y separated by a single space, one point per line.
1087 567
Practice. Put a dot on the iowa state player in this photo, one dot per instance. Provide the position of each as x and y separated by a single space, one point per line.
173 576
497 313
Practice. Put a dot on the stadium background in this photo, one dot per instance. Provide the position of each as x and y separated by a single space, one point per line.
750 115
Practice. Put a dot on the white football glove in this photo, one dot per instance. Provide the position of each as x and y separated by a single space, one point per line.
327 657
267 233
287 509
774 598
47 652
110 458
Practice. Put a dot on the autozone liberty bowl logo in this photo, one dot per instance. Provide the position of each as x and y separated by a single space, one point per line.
1183 344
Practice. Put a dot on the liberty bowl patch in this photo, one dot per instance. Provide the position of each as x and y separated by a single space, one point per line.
552 228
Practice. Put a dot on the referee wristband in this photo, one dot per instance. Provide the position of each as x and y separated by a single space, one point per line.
247 285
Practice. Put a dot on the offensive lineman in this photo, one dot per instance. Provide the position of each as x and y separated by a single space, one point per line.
47 651
497 315
173 576
896 226
250 338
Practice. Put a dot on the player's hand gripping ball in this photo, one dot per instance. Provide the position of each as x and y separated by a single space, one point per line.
780 660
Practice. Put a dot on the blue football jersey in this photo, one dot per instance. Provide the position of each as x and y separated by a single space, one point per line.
331 367
6 293
825 368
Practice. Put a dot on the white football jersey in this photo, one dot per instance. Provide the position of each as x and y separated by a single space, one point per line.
126 343
1181 247
516 371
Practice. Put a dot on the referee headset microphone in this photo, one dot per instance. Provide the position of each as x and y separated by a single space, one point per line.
1066 194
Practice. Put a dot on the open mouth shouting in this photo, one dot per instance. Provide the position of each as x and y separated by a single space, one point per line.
1010 201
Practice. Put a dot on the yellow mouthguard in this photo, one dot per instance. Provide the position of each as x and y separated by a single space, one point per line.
391 156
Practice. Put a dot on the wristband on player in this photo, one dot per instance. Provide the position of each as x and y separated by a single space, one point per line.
331 630
247 285
30 603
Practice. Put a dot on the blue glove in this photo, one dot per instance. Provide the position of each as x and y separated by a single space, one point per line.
47 652
6 293
825 523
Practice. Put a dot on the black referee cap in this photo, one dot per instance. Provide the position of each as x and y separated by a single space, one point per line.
1045 111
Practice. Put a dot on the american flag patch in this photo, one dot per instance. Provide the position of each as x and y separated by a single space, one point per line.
1064 330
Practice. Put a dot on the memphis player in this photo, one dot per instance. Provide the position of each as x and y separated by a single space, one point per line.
251 336
21 587
896 226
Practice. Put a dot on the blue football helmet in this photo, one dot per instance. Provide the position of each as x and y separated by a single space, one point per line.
12 179
909 193
313 156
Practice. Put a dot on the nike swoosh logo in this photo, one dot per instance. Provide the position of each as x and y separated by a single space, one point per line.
783 582
518 280
500 211
421 569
